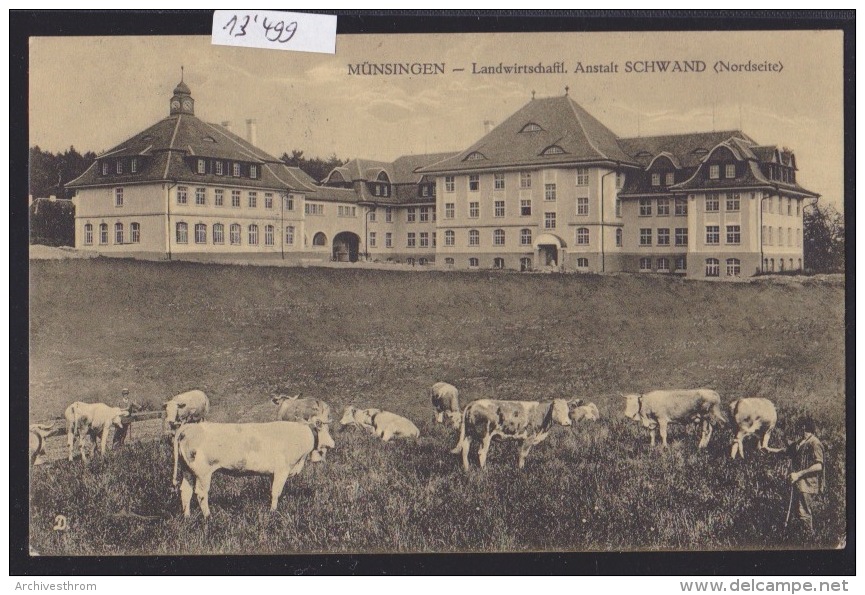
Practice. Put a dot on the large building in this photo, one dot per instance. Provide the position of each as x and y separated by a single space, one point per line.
550 187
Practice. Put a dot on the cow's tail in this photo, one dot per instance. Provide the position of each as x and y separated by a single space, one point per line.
734 408
461 440
71 428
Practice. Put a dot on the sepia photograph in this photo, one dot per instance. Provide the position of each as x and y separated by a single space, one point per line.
437 293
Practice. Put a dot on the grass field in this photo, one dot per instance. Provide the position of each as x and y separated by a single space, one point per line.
379 338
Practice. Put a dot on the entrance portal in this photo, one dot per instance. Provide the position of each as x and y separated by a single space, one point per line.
549 255
345 247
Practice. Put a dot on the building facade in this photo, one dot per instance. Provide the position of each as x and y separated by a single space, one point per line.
550 188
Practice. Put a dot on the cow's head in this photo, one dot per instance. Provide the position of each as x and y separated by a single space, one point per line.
455 419
560 412
348 416
632 407
173 410
277 400
325 440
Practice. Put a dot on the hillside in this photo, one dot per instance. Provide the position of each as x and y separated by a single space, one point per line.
380 337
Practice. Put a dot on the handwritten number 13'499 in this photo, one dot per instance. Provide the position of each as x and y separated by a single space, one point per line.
277 31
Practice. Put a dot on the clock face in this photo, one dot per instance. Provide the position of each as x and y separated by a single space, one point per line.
175 104
187 104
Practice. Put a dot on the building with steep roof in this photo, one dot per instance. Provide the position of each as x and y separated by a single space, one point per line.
551 187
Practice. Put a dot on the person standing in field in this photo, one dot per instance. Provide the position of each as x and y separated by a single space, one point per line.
807 477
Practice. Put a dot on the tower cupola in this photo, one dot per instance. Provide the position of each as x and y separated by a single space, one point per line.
182 101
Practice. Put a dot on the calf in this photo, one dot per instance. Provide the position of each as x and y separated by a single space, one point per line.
752 415
446 403
91 419
189 407
527 421
384 424
656 409
304 410
277 448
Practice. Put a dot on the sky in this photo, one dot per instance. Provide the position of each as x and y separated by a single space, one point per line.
94 93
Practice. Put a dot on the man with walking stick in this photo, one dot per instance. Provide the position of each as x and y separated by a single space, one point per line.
806 478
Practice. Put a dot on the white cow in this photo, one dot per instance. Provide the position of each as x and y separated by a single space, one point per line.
384 424
658 408
445 400
189 407
752 415
530 422
277 448
91 419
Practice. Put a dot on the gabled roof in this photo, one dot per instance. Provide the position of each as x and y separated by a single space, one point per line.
687 148
562 122
405 168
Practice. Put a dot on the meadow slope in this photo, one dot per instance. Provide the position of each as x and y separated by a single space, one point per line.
379 338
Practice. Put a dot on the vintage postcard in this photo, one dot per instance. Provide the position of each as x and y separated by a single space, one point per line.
498 292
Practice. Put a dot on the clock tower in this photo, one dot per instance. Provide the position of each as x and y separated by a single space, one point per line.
181 101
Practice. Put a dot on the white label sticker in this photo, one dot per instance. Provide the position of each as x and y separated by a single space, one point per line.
269 29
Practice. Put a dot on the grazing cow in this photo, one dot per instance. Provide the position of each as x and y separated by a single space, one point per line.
384 424
38 434
306 410
186 408
658 408
577 411
91 419
446 402
527 421
751 416
277 448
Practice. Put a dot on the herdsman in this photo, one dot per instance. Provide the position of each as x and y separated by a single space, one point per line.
806 477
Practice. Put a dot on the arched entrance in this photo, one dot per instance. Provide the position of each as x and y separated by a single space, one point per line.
550 253
345 246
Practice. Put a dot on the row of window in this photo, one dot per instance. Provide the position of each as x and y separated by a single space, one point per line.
680 236
119 234
474 181
223 168
782 205
715 171
662 264
499 210
792 235
769 264
200 197
680 206
121 166
235 234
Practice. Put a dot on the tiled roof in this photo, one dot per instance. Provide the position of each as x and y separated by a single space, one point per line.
164 147
687 148
561 122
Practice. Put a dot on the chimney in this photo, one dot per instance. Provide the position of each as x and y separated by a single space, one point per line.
488 126
250 131
227 125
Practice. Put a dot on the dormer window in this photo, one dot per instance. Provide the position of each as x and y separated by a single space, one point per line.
700 152
730 170
553 150
209 139
656 179
219 168
531 127
104 168
253 171
669 179
474 156
119 167
201 166
235 170
133 165
714 172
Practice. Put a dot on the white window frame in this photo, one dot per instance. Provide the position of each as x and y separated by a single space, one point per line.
525 180
474 210
550 192
498 237
498 181
582 238
713 232
663 236
450 210
582 206
474 183
734 235
450 184
118 197
645 236
715 172
201 197
200 233
450 237
134 233
582 176
499 208
474 237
